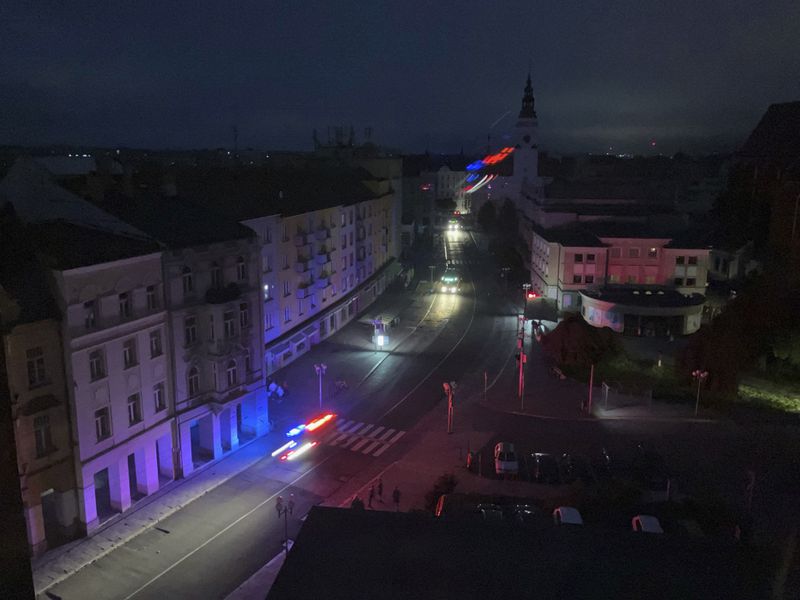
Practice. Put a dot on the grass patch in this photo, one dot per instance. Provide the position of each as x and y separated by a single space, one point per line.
786 400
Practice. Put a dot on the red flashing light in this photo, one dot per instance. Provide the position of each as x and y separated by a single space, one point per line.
317 423
532 295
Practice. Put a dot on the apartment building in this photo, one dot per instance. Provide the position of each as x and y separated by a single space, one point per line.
31 336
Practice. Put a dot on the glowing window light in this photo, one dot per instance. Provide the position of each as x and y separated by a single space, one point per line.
317 423
296 430
287 446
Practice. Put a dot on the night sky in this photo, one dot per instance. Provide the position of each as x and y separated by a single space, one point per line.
691 75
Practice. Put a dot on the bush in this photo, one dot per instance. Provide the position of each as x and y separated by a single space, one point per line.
444 485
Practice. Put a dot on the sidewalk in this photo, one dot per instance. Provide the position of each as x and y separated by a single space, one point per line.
301 401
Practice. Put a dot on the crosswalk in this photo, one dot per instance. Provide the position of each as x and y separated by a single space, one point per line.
365 438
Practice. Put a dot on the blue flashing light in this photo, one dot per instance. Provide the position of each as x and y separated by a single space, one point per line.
478 164
296 430
472 177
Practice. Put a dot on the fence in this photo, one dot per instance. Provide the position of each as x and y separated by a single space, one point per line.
617 396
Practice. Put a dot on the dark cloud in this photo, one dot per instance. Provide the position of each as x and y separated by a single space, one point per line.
421 74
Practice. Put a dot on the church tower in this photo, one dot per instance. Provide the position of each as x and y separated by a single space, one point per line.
526 146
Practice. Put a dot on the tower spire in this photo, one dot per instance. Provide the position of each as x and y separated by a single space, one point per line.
528 111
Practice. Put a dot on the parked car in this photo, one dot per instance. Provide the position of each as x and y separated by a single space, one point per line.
524 513
646 524
505 459
566 515
574 467
545 468
490 512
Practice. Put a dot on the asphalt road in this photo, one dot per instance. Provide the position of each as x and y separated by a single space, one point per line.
206 549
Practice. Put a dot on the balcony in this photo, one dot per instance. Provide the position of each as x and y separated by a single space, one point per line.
300 239
323 257
322 234
323 281
229 293
303 264
302 292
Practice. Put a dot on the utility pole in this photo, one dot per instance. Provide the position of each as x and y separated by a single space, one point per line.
523 358
432 268
320 369
591 385
699 376
526 287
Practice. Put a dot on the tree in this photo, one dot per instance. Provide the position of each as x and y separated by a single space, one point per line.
575 343
507 220
487 216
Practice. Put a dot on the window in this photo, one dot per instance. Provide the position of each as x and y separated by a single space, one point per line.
129 353
285 262
212 334
633 253
134 409
97 365
228 325
89 314
691 282
152 299
589 279
159 401
241 269
286 290
579 258
344 241
188 281
613 278
36 372
590 258
344 262
268 264
287 315
214 377
333 289
692 260
248 362
615 252
216 276
269 321
679 281
268 236
343 219
41 433
649 279
652 253
189 330
631 279
125 309
299 307
230 372
267 294
351 238
193 380
351 222
577 279
244 316
102 423
679 260
351 259
284 233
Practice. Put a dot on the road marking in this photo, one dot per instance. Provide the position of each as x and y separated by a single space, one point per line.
352 428
360 444
343 424
396 437
346 443
376 432
342 437
381 451
371 447
387 434
219 533
364 430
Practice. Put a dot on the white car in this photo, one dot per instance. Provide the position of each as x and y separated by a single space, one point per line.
566 515
646 524
505 459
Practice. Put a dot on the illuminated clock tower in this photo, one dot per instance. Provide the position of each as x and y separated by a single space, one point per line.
526 147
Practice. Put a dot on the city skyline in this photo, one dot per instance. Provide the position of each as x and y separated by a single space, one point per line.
655 79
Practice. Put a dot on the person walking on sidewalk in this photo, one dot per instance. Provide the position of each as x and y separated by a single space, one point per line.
380 490
291 504
396 498
371 495
279 506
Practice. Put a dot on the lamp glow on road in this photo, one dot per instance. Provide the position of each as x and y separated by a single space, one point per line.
381 341
287 446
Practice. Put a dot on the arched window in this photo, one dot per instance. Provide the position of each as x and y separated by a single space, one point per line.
216 275
248 363
231 373
194 381
241 269
188 280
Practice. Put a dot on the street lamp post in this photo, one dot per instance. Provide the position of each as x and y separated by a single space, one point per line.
283 511
526 287
432 268
449 388
320 369
700 376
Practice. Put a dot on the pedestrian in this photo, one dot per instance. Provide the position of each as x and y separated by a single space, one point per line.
279 506
291 504
396 498
371 495
380 490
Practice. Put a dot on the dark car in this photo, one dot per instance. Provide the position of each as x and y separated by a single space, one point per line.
545 468
576 467
602 465
525 514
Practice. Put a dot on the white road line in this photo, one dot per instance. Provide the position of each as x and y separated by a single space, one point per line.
376 432
329 438
346 443
364 430
371 447
360 444
341 426
342 437
382 450
397 437
387 434
352 428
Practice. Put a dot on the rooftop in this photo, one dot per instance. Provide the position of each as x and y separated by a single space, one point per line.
345 553
777 135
